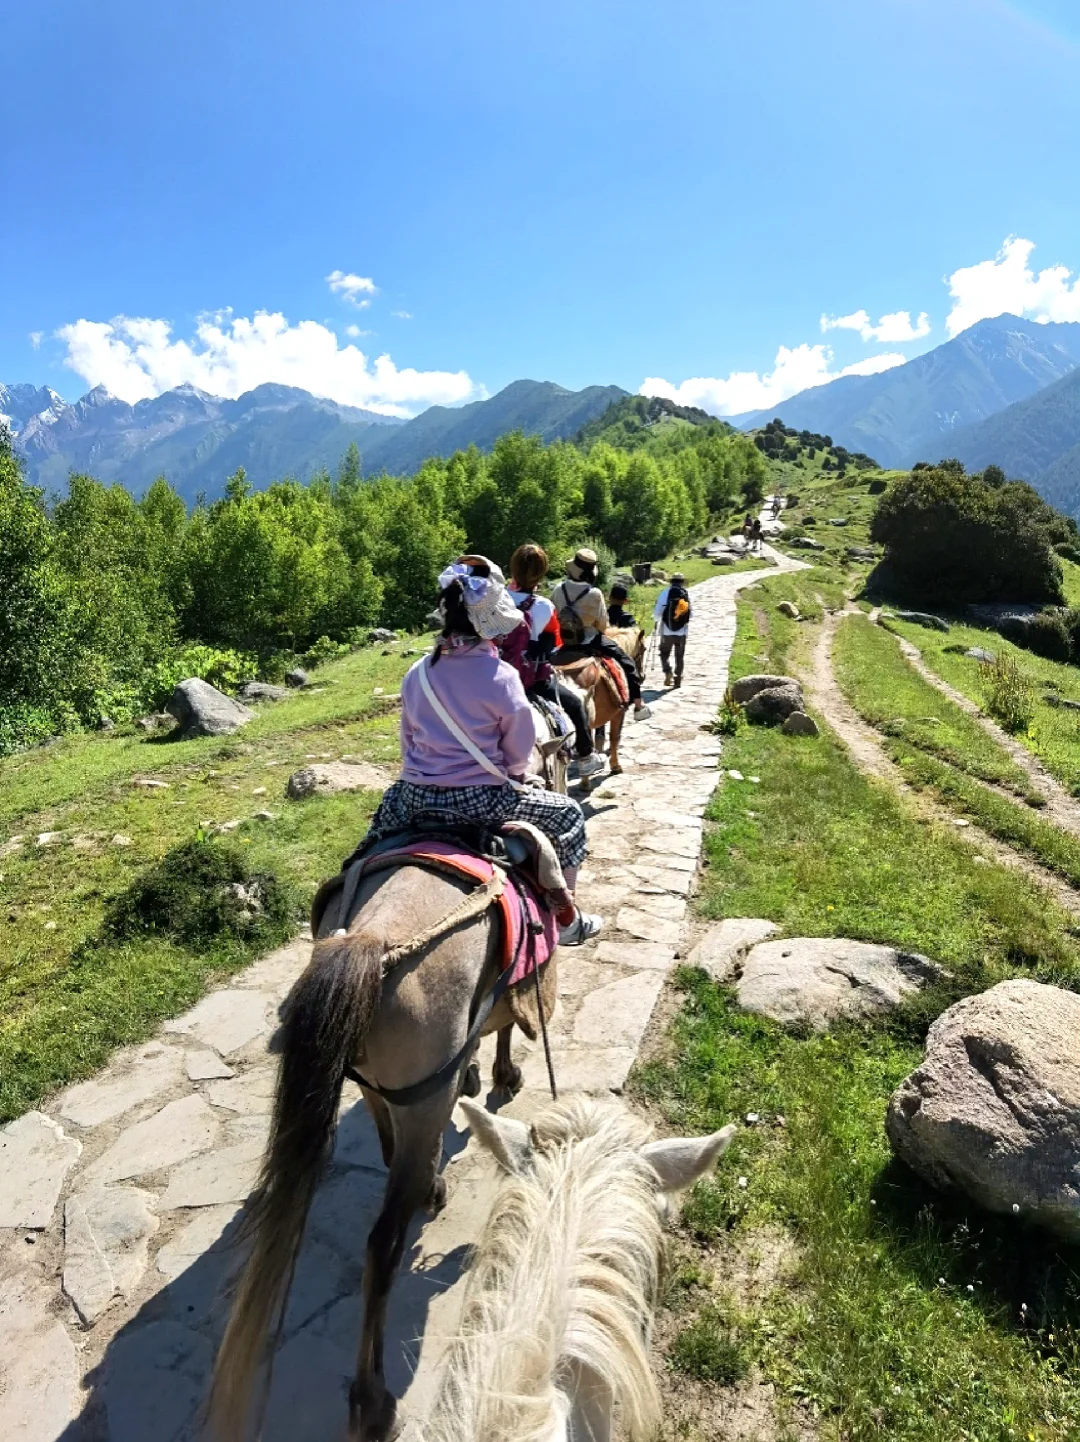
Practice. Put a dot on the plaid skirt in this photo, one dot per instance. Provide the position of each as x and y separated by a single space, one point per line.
559 817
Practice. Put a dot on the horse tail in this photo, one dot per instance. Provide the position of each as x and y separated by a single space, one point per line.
324 1021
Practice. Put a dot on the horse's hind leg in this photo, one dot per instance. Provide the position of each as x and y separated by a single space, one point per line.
616 736
505 1075
414 1182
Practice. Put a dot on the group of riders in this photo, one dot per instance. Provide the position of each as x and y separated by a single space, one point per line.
467 722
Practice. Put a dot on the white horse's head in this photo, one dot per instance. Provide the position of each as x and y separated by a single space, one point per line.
678 1162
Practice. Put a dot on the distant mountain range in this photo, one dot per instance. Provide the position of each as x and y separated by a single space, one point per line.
918 411
198 440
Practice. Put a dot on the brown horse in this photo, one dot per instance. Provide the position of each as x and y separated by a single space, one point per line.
604 703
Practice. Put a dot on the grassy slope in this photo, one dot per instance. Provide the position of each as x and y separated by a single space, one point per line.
65 1005
1054 735
881 1332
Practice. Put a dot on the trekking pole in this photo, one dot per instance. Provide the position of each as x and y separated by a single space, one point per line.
651 657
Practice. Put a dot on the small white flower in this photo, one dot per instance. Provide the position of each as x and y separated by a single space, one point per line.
743 1182
896 1391
970 1287
1016 1206
941 1281
751 1118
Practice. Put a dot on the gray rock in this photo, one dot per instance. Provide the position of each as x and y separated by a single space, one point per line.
155 1379
35 1157
226 1020
838 520
644 927
922 618
260 691
381 636
158 721
860 553
725 559
617 1014
805 543
179 1131
789 608
227 1174
994 1109
725 943
297 677
202 710
106 1237
38 1395
814 981
774 705
206 1066
642 955
106 723
186 1246
800 724
331 779
747 686
976 653
128 1083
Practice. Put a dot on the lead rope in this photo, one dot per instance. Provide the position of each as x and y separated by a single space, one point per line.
534 929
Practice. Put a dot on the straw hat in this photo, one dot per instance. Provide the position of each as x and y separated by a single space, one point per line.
584 560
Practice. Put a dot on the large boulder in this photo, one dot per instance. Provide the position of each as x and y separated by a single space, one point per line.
994 1109
813 981
805 543
800 724
334 778
202 710
260 691
775 704
922 618
747 686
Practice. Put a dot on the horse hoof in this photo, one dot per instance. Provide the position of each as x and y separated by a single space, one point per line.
614 769
470 1087
373 1421
436 1198
511 1080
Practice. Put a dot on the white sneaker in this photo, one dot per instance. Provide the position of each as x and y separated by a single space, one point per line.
582 929
643 713
590 765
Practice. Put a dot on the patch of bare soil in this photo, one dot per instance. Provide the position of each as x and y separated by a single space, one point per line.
864 743
741 1274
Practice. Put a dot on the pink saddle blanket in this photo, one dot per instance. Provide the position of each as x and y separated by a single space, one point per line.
529 939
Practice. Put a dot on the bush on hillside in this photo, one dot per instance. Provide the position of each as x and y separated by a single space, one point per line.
1009 693
1048 635
953 539
199 893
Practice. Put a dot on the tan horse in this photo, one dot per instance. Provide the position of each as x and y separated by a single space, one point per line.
398 1027
604 703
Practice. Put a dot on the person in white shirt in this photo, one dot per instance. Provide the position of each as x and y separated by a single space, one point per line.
672 617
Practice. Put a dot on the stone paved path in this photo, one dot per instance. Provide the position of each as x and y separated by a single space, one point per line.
118 1200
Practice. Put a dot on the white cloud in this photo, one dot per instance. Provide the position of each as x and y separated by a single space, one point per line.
36 337
354 332
896 328
356 289
794 370
402 314
1007 285
136 357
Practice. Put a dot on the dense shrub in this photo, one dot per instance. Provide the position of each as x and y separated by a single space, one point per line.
1048 635
952 538
200 893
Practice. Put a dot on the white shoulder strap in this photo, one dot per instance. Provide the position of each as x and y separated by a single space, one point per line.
422 669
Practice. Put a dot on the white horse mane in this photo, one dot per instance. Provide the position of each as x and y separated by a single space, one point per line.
563 1283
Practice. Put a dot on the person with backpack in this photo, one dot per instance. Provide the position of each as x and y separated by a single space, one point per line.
530 654
583 621
467 734
672 618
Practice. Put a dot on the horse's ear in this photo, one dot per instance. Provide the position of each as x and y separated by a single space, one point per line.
680 1161
508 1141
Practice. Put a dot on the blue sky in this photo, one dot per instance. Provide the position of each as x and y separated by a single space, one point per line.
588 191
